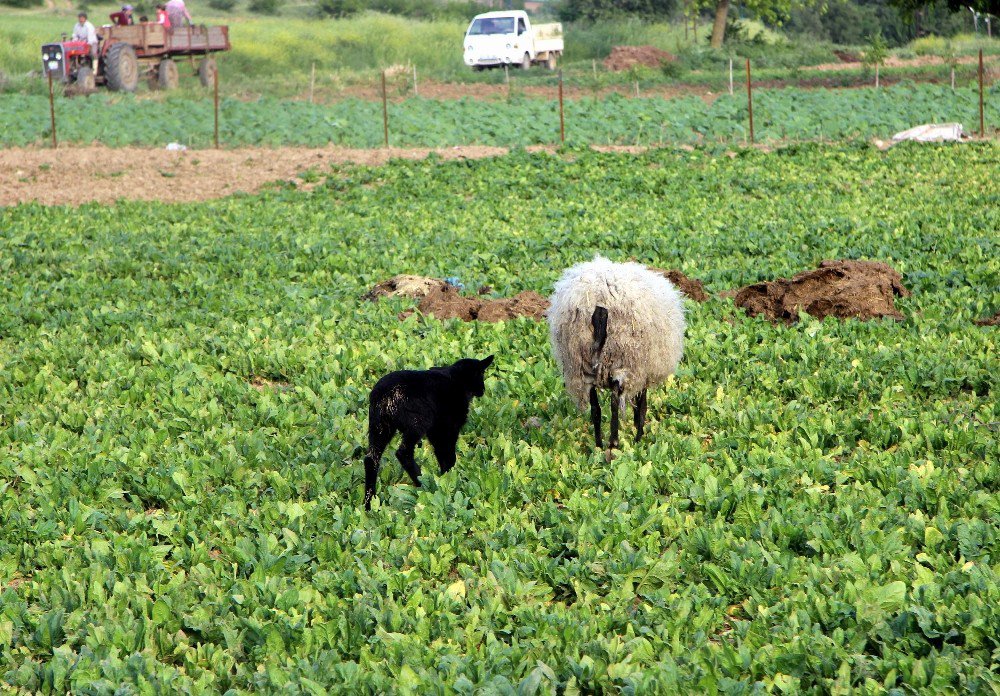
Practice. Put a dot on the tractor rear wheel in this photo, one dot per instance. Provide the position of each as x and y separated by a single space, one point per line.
206 71
85 80
168 78
550 63
121 68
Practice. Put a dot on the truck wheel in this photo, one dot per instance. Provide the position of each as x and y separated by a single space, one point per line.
526 63
206 71
85 80
167 75
550 63
121 68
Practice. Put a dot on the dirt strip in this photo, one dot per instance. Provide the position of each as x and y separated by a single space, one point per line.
76 175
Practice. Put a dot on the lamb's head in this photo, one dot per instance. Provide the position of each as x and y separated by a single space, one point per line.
471 375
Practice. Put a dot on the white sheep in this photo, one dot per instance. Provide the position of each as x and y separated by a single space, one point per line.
617 326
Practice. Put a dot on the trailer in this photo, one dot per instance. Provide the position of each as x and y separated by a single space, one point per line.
127 53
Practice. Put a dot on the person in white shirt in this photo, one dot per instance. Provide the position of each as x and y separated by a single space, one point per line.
84 31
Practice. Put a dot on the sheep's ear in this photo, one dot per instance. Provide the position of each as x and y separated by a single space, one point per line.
486 362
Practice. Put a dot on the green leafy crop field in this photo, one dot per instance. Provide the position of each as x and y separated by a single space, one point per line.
182 417
779 114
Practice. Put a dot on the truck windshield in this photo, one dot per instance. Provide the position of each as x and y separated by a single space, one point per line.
492 25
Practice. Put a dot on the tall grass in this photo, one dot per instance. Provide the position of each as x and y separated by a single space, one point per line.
369 41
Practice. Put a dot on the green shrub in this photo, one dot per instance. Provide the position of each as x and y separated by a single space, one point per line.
268 7
224 5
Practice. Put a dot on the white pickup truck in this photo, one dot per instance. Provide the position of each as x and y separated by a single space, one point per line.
508 38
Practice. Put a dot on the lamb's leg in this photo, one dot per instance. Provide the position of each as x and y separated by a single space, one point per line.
379 436
405 456
616 407
640 414
444 449
595 415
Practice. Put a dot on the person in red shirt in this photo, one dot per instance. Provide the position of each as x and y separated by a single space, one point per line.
162 17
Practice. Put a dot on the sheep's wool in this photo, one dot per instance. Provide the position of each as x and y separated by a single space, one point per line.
645 328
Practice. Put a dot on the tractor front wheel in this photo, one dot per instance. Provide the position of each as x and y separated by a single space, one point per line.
168 77
85 80
206 71
121 68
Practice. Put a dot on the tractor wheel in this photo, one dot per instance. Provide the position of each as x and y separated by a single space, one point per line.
526 62
167 75
550 63
85 80
206 71
121 68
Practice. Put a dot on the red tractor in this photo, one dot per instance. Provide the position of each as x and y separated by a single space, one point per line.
125 53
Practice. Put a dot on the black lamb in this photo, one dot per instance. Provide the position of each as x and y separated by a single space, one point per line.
418 403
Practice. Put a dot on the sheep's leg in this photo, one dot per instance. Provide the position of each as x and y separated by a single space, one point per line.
379 436
444 445
640 414
595 416
616 407
405 456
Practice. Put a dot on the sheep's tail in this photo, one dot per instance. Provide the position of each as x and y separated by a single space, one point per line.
599 320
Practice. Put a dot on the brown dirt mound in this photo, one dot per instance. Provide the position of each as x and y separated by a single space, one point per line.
843 289
404 286
691 287
447 303
989 321
847 57
624 57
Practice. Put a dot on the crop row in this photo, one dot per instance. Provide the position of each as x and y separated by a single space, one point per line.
779 115
183 398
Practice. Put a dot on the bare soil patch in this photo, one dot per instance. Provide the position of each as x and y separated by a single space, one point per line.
691 287
845 289
989 321
405 286
447 303
261 383
77 175
625 57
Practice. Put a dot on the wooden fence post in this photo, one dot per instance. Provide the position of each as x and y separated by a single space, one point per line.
982 121
385 112
750 101
562 123
52 111
215 82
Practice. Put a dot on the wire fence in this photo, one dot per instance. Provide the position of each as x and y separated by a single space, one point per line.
428 122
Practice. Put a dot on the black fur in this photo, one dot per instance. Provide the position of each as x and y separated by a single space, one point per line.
430 403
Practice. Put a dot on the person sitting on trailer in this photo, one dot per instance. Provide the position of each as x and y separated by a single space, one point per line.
162 17
123 17
83 30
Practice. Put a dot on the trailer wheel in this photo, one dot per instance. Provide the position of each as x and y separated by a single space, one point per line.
526 63
550 62
167 75
85 80
121 68
206 71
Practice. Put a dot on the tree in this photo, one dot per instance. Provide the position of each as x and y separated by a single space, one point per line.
591 10
770 11
909 8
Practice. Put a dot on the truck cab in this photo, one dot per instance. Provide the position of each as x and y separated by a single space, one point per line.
494 39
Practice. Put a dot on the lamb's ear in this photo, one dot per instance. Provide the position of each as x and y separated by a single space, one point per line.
486 362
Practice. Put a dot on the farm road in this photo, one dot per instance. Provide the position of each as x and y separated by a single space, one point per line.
77 175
